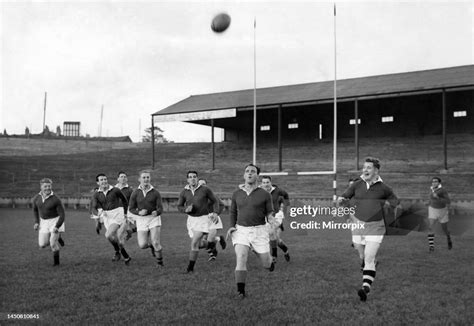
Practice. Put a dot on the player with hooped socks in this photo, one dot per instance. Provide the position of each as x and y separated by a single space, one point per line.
438 210
369 194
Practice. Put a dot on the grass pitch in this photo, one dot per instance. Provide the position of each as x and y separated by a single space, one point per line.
318 286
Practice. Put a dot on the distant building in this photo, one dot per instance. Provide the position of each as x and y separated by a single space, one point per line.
160 138
71 128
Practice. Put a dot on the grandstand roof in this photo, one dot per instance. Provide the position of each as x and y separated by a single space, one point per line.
381 85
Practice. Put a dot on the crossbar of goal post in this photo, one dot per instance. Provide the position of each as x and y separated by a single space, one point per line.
334 163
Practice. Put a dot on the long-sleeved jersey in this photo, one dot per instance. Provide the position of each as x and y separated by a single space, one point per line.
369 199
202 199
48 207
441 200
149 200
109 199
250 209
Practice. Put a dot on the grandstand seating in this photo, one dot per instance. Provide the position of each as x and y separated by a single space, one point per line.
407 165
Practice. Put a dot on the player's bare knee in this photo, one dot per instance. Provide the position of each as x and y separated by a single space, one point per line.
241 264
195 243
111 237
156 245
241 259
266 259
369 262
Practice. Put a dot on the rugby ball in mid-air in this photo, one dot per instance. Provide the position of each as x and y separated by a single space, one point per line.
220 22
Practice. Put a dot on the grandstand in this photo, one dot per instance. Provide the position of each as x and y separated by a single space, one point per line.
404 166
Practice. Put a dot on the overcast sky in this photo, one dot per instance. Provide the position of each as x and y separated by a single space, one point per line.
136 58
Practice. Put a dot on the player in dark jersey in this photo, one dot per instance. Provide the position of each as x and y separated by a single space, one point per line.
201 205
111 205
49 218
281 202
250 210
369 194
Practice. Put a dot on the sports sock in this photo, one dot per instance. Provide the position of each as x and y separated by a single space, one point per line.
273 248
368 276
240 277
211 245
56 257
431 240
282 246
191 265
193 254
159 257
241 288
124 253
116 246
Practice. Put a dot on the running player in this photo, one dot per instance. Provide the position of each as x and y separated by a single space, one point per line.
212 237
49 218
369 194
438 210
110 204
250 210
201 205
281 202
128 228
146 205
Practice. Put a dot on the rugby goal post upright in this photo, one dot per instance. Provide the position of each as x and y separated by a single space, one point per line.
334 162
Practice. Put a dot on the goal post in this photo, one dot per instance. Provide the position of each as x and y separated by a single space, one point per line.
334 163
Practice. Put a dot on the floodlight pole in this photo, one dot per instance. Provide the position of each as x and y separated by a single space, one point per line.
445 138
334 164
152 142
101 119
254 152
356 132
44 112
280 146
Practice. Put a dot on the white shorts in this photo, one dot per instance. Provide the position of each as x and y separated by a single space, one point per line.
371 231
145 223
48 225
114 216
132 217
279 217
255 237
368 228
216 226
363 239
197 224
440 214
